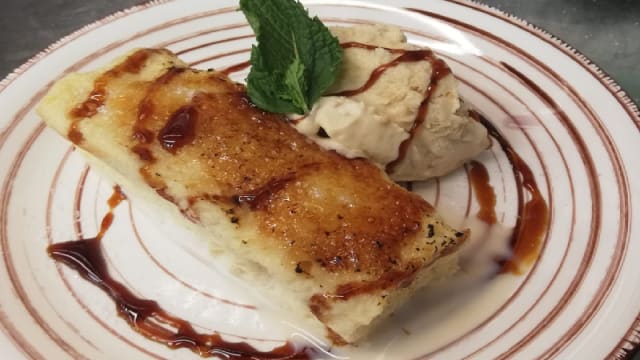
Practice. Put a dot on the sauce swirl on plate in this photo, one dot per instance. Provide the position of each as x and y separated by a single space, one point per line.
146 316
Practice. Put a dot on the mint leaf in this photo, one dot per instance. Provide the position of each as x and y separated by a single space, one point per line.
294 81
296 58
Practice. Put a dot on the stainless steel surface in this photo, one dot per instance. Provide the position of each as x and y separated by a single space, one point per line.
606 31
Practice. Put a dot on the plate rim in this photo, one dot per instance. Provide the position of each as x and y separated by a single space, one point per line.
629 344
541 33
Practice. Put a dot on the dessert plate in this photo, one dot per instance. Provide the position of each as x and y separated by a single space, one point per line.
570 122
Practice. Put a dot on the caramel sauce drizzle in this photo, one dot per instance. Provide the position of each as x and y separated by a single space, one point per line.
88 108
359 45
486 196
259 196
146 316
237 67
146 106
179 130
407 56
439 70
533 214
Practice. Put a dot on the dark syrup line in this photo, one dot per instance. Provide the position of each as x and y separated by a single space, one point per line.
439 70
359 45
236 68
533 214
91 105
146 107
407 56
146 316
484 193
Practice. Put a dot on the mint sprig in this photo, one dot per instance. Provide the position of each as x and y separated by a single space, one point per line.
296 59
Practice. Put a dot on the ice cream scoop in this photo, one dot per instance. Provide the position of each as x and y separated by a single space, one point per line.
396 105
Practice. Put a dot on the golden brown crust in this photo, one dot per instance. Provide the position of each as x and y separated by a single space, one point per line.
197 138
359 221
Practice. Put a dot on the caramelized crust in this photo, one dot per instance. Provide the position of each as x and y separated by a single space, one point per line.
339 224
238 152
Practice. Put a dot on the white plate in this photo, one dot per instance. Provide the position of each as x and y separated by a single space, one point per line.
568 120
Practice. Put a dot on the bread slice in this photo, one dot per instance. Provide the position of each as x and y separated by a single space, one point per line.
330 238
